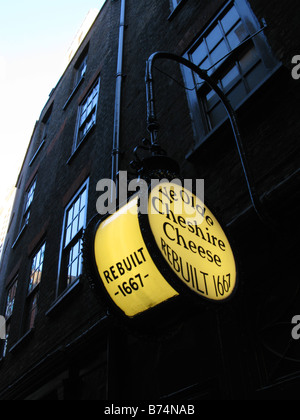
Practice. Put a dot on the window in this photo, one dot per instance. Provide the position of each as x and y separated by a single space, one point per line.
33 288
28 201
36 269
74 224
10 303
237 62
3 343
174 3
32 311
46 122
87 114
81 69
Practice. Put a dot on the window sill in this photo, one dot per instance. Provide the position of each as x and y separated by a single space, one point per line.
176 10
191 155
73 93
61 299
36 153
22 340
76 151
33 290
19 236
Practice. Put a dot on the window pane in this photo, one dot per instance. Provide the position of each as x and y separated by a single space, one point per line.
219 53
33 308
87 116
83 117
30 195
75 226
76 217
217 115
81 219
237 35
199 54
75 263
231 77
89 108
248 60
36 269
76 207
230 19
68 235
82 69
256 76
211 99
205 65
6 340
70 216
214 38
11 300
83 199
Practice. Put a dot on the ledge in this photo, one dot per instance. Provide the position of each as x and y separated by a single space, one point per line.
37 152
61 299
191 154
76 151
176 10
73 93
23 339
19 236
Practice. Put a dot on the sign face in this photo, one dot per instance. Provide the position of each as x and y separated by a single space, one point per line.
125 266
192 241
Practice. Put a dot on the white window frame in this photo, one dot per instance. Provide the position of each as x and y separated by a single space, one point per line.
81 70
175 3
29 197
87 114
202 130
36 272
10 304
67 245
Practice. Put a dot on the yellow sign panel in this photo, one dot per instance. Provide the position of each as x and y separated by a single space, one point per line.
192 241
125 266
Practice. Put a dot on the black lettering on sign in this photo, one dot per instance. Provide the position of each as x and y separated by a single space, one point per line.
121 268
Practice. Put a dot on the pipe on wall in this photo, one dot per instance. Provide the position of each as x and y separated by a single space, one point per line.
118 97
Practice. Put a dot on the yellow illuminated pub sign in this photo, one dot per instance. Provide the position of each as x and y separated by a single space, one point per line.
178 246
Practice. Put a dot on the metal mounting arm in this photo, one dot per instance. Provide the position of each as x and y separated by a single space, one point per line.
153 125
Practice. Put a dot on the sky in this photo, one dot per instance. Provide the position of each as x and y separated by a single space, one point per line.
34 38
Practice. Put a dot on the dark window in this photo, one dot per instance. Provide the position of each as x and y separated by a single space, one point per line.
33 288
174 3
32 308
81 69
3 343
74 225
36 269
234 59
46 122
10 303
87 113
28 201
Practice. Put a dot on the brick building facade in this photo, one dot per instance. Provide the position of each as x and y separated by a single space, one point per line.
61 342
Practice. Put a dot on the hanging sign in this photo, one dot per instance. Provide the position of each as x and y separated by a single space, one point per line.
126 268
192 242
144 261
